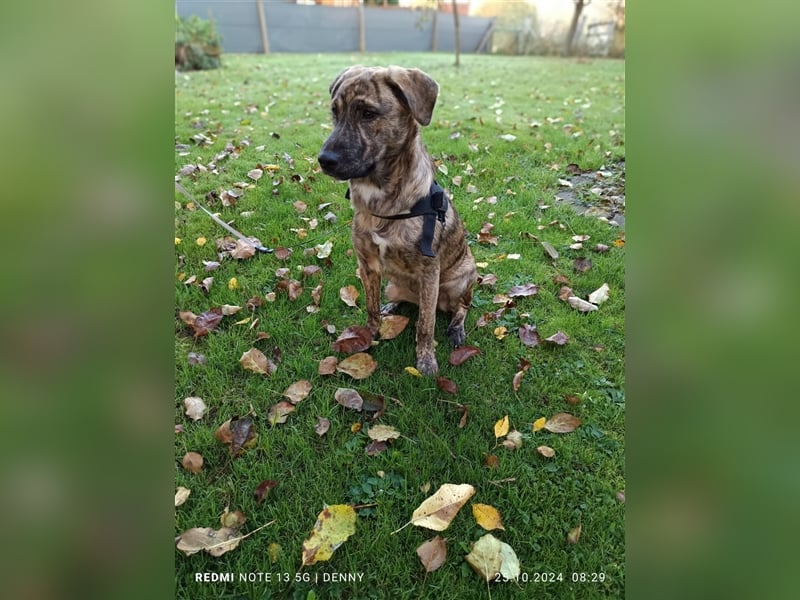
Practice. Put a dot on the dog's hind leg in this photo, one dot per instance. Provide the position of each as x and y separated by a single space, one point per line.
455 331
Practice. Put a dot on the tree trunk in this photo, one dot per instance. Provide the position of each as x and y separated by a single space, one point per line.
457 33
573 26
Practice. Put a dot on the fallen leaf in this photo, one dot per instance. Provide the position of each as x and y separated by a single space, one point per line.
446 385
232 519
214 541
565 293
572 400
382 433
311 270
206 322
550 250
459 355
349 295
528 335
620 496
488 279
464 410
492 461
521 291
263 490
274 551
501 427
574 535
255 174
513 440
559 338
224 433
353 339
375 447
327 366
256 361
358 366
562 423
335 524
581 304
392 326
243 251
546 451
539 424
500 332
192 462
517 380
437 511
349 398
432 553
322 427
195 358
195 408
582 264
324 250
230 309
298 391
600 295
490 557
487 517
413 371
181 495
282 253
278 413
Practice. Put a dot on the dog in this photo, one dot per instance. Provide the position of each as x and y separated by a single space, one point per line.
404 229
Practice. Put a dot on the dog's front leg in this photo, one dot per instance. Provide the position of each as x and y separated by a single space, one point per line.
426 322
371 280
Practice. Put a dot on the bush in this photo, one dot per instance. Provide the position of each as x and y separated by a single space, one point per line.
198 45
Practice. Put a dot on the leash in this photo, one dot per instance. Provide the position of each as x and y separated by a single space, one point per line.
222 223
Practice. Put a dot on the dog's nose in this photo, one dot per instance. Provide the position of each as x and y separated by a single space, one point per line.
328 160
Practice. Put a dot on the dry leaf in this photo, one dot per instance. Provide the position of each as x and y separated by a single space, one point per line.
206 322
521 291
437 511
334 525
327 366
214 541
232 519
322 427
513 440
278 413
492 461
413 371
349 398
432 553
490 557
574 535
581 304
243 434
546 451
550 250
500 332
181 495
256 361
501 427
358 366
446 385
263 490
243 250
517 381
539 424
353 339
192 462
383 433
464 410
459 355
487 517
528 335
600 295
255 174
375 447
392 326
195 408
582 264
562 423
349 295
297 391
559 338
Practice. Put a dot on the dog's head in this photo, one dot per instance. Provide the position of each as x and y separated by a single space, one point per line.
376 112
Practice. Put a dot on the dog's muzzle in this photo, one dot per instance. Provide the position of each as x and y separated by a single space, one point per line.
335 165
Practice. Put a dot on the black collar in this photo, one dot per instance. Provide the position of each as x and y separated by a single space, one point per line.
431 208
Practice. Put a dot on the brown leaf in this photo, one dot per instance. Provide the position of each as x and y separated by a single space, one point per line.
375 447
517 381
358 366
562 423
513 440
382 433
582 264
353 339
195 358
349 398
181 495
232 519
263 490
432 553
528 335
546 451
464 410
214 541
256 361
224 433
459 355
488 279
600 248
572 400
283 253
311 270
327 366
438 511
205 285
565 293
195 408
560 279
298 391
278 413
392 326
243 250
192 462
446 385
559 338
521 291
492 461
375 404
574 535
349 295
294 288
206 322
323 425
243 434
316 293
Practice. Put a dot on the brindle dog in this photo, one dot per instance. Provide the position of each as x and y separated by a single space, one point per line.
404 229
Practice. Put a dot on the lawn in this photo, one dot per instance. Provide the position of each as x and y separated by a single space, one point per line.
504 131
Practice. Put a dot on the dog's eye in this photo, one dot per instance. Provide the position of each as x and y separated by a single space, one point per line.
368 114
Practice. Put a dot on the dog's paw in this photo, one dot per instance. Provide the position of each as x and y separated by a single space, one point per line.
427 365
457 335
389 308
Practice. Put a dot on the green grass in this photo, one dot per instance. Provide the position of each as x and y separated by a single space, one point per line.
547 497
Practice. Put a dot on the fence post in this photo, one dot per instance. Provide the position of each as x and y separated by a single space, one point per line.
362 36
262 24
435 32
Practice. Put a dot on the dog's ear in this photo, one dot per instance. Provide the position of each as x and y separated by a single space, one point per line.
417 89
340 78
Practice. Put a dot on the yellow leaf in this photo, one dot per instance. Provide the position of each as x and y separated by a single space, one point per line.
413 371
501 427
539 423
201 241
487 517
233 283
334 525
437 511
178 241
383 433
500 332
